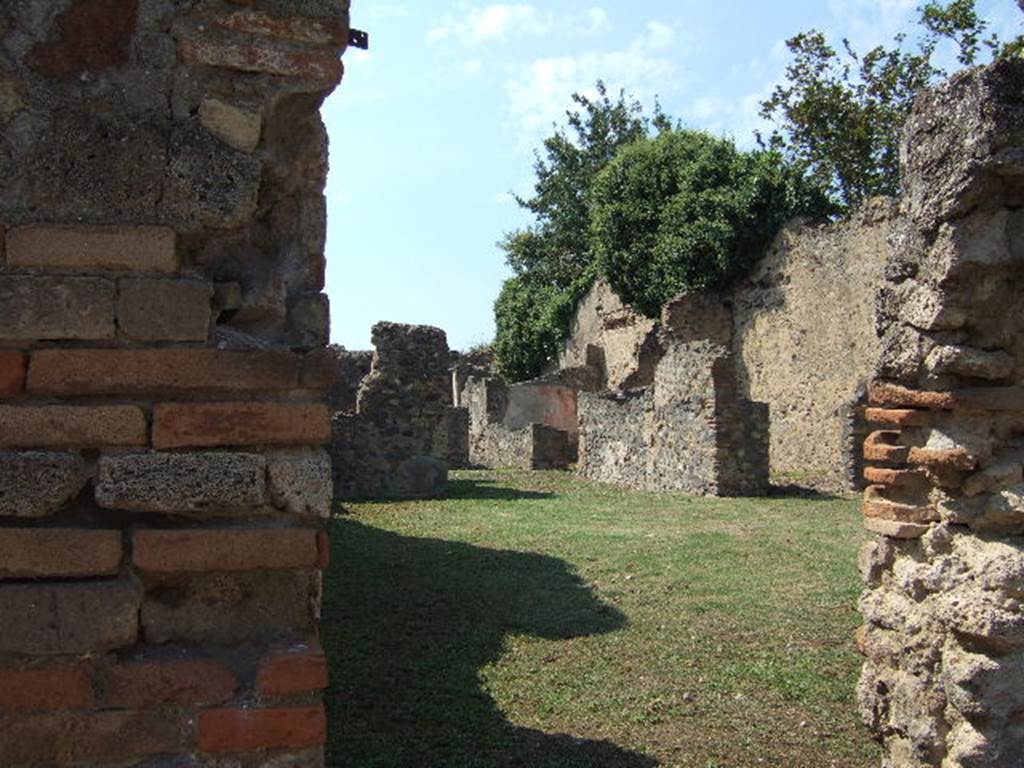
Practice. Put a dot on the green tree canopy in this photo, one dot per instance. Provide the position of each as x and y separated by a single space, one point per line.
688 211
553 259
840 114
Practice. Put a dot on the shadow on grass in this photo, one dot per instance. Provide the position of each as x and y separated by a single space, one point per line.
407 625
486 489
794 491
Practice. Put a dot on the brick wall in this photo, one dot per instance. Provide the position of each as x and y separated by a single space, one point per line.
943 680
162 384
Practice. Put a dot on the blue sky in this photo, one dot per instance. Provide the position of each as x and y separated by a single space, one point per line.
435 125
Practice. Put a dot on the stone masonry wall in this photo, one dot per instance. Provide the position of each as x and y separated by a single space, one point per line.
690 431
943 680
507 424
396 443
162 381
805 339
801 327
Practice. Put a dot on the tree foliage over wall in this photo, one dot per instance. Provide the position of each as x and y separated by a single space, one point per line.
658 210
840 113
687 211
553 260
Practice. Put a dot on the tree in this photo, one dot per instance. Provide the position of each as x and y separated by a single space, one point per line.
840 114
553 259
688 211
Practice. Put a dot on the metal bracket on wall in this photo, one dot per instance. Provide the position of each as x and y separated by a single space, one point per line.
359 39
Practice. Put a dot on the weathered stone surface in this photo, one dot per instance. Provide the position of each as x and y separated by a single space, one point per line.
92 249
300 481
237 127
66 426
970 362
69 618
945 631
401 413
228 608
37 484
198 425
181 483
421 477
164 310
54 308
210 184
35 553
264 58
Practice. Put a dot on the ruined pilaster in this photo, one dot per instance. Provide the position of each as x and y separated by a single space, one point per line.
162 414
943 684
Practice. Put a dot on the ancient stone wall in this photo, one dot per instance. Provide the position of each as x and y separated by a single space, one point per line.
690 430
353 366
609 338
943 683
524 426
397 441
805 341
801 327
162 381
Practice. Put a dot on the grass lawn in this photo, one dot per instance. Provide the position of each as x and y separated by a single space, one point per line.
535 620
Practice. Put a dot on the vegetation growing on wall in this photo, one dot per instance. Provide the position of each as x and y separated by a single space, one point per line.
688 211
840 113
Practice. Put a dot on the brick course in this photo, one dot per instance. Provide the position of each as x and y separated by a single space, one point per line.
224 550
210 425
141 684
13 367
63 426
34 553
241 730
160 371
93 249
296 671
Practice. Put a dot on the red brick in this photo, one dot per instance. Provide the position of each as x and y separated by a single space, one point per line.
65 739
894 395
323 549
93 249
880 446
207 425
321 66
319 370
246 730
13 366
32 553
903 513
898 417
956 458
900 477
160 371
141 684
45 689
226 549
63 426
92 36
299 670
294 29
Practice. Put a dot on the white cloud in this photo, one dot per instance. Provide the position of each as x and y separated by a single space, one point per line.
475 26
471 66
597 20
540 96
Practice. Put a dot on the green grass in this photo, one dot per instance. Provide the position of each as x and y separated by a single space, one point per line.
532 619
